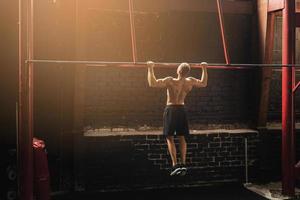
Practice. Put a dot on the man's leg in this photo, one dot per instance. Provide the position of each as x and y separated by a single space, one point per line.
172 149
182 148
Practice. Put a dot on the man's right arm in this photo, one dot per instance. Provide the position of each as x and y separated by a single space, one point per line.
203 81
153 82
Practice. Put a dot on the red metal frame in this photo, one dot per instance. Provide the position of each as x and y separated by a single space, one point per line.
222 28
288 122
132 32
289 87
288 90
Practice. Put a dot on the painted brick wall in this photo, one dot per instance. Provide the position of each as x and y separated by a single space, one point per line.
137 161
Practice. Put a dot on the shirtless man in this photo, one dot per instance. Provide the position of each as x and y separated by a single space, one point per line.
175 121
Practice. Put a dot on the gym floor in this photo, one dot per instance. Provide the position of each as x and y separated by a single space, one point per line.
216 192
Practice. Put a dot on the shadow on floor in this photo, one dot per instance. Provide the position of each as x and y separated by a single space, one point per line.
218 192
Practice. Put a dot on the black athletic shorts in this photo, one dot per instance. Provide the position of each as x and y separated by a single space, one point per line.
175 121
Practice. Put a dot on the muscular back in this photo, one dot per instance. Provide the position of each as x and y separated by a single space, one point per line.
177 89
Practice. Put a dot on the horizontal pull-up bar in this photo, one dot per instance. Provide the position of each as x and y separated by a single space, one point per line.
159 64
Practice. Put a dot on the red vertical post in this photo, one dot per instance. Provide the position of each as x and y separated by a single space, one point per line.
288 146
25 115
132 31
222 28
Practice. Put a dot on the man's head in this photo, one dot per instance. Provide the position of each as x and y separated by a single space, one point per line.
183 69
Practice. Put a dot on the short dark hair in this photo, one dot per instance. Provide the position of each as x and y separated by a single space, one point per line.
184 69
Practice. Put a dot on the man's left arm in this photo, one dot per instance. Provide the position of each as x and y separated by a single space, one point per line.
203 81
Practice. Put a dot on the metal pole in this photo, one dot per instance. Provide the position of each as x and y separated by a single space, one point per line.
31 71
246 160
159 64
17 147
222 28
132 31
25 154
288 48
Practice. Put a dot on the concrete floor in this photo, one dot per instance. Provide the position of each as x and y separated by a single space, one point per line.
217 192
272 191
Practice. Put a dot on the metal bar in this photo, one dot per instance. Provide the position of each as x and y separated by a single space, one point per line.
20 99
164 65
293 125
296 87
280 70
222 28
79 70
132 32
246 160
25 154
30 72
143 64
17 147
293 76
288 149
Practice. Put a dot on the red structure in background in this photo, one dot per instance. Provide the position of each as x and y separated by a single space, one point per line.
222 29
132 31
288 74
290 171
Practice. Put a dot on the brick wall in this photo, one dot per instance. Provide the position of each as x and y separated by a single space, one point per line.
114 161
122 97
